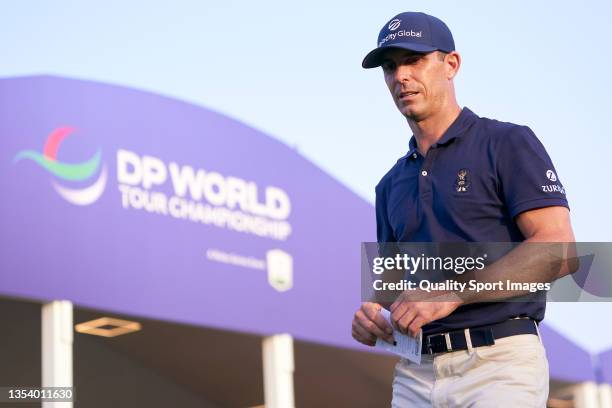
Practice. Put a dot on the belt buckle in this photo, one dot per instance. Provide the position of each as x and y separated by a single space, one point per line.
447 342
429 345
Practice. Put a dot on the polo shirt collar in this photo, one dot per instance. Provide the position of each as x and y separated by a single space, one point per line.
456 129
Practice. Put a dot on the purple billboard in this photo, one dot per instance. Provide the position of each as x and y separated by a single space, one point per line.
136 203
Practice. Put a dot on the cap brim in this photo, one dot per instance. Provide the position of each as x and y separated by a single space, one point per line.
374 57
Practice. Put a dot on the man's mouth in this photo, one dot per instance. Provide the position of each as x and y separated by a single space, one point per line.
407 94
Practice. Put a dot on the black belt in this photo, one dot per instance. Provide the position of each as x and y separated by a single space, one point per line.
480 336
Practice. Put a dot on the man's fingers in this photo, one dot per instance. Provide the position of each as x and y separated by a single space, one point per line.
382 324
375 316
362 335
397 313
368 310
403 321
363 340
372 328
403 311
382 329
363 331
415 326
402 299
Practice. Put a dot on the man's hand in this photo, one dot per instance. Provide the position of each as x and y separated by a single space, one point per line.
408 315
368 324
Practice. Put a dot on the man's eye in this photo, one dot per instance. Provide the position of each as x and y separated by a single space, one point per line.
387 66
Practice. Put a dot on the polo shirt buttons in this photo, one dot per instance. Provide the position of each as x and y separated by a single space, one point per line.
424 173
414 155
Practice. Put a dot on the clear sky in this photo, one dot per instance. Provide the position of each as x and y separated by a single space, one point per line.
294 72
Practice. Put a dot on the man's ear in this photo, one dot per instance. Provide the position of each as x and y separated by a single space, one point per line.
453 63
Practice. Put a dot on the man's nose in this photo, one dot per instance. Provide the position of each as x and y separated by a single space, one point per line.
403 73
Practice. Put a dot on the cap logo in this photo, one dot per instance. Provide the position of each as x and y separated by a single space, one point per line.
400 33
394 24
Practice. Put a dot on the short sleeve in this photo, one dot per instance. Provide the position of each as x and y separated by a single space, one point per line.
527 177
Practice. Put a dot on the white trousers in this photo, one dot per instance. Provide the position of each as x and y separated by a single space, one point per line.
511 373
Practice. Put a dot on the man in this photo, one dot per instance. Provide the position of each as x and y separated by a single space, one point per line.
464 179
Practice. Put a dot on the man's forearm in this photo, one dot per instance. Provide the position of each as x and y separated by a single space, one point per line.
529 262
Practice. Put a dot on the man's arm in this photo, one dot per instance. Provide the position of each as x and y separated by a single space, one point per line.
368 323
525 263
549 224
546 254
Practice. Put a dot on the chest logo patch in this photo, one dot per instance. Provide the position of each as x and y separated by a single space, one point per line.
463 181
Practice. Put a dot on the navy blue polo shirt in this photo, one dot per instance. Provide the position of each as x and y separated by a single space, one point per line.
469 187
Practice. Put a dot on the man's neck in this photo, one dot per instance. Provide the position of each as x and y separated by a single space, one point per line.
430 130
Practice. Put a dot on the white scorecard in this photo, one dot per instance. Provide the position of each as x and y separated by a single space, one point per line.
405 346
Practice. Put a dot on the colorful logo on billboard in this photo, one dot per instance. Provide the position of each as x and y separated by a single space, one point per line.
69 172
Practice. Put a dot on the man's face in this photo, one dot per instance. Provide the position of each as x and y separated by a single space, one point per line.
419 83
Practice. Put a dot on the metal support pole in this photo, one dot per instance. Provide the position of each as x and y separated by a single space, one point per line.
57 348
586 395
605 396
278 367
